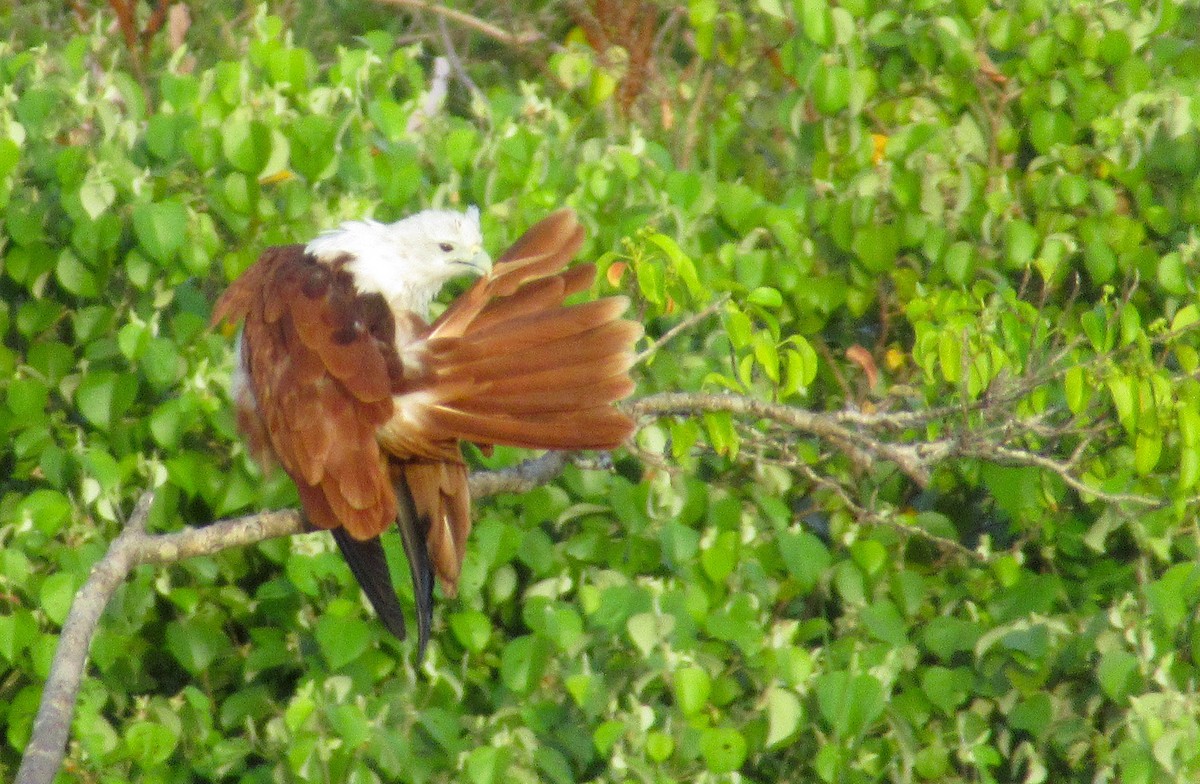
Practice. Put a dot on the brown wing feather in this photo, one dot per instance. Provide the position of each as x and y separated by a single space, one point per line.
321 383
334 375
509 363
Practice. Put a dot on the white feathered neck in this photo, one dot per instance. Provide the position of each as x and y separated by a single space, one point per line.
410 260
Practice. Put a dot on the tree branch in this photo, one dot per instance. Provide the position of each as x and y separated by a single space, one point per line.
862 432
681 327
134 547
862 436
473 22
44 754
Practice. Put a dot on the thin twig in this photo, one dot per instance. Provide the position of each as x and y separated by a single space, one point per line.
916 459
456 64
473 22
907 457
682 326
691 128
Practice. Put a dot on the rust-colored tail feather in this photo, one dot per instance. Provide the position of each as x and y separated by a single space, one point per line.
509 362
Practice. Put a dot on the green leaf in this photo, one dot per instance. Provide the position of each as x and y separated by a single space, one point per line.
1118 674
817 21
75 277
17 632
1147 451
849 703
103 397
47 510
1185 317
606 736
647 630
1048 128
876 246
342 639
1077 389
723 749
1115 47
472 629
884 622
692 686
161 229
246 144
161 363
522 663
870 555
10 157
27 399
946 636
56 594
784 716
313 139
1173 274
719 559
659 746
650 281
149 743
831 88
681 264
946 689
96 195
167 424
960 263
806 557
950 356
1020 242
196 644
487 765
766 354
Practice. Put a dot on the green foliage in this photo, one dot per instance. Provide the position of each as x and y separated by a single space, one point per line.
995 204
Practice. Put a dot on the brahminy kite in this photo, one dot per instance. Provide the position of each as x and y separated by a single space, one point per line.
341 379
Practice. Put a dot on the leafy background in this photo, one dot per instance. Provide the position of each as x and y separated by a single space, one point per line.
948 195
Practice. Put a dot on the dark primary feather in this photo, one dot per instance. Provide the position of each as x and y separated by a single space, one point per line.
369 564
412 536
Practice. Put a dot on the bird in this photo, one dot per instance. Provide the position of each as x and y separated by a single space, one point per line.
341 378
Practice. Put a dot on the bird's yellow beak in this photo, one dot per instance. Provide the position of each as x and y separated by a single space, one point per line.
481 261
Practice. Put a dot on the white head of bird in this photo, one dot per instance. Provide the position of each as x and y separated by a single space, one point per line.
410 260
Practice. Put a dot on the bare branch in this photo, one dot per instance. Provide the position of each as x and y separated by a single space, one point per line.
1004 454
460 70
860 430
681 327
520 478
472 22
44 754
134 547
868 438
913 460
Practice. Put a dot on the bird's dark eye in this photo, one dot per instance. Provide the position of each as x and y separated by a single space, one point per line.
446 247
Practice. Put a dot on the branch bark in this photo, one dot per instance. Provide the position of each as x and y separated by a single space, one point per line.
473 22
868 438
134 547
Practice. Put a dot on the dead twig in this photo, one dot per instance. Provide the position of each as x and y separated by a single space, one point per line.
681 327
473 22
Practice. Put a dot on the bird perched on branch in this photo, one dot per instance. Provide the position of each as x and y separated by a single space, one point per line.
341 380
